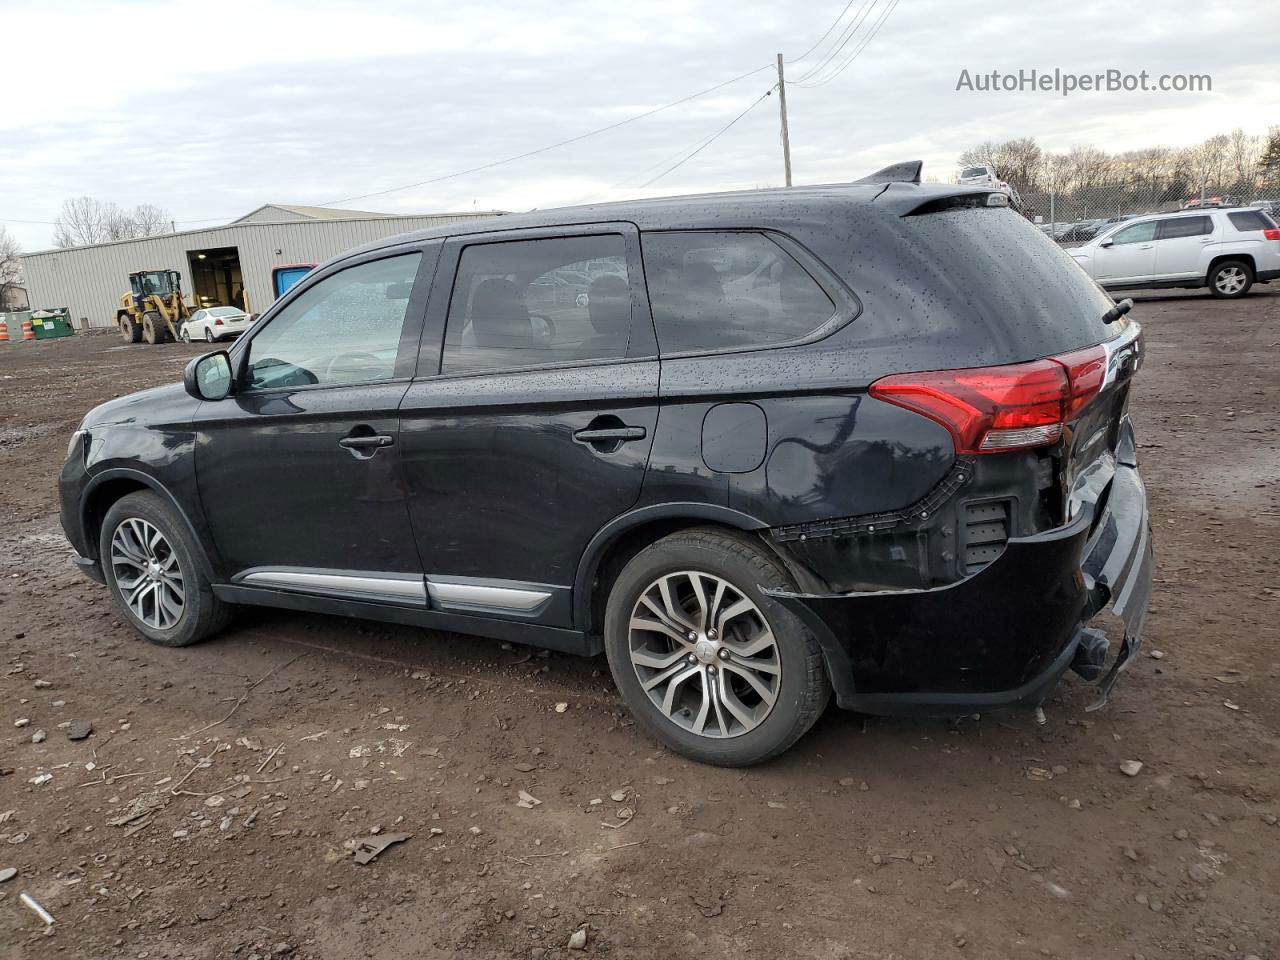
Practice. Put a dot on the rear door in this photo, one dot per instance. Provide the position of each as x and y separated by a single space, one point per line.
299 469
529 424
1128 254
1180 246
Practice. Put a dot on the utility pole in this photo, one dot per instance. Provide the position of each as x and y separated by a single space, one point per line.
782 107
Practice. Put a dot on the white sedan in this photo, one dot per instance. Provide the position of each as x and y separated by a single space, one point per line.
215 323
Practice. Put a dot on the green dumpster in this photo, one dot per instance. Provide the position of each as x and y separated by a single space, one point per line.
54 322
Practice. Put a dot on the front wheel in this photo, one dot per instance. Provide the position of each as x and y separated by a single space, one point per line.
706 662
153 329
1230 279
149 559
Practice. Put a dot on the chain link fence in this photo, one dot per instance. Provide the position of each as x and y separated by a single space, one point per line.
1074 216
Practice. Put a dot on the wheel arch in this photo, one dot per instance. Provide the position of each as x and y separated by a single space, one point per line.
1245 258
108 487
623 537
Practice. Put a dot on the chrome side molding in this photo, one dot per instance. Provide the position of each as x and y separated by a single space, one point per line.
401 587
486 596
445 593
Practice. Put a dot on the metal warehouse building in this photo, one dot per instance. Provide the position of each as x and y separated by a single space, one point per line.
226 265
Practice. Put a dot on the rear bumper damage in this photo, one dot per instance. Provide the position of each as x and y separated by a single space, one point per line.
1005 635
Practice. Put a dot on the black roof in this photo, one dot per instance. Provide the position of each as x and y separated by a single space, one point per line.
739 208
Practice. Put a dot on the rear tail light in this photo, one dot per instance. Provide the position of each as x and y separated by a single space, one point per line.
1271 234
217 321
996 409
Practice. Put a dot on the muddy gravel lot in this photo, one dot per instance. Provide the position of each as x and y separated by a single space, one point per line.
215 806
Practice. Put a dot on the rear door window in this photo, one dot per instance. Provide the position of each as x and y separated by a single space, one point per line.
520 303
1247 221
718 291
1185 227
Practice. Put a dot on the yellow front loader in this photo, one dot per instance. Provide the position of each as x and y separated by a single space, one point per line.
153 309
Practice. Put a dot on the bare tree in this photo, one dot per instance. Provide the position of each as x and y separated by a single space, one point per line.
85 220
10 268
150 220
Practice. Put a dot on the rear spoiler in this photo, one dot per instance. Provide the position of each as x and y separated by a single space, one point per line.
907 172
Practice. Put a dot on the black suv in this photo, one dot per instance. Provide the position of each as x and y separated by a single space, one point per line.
756 447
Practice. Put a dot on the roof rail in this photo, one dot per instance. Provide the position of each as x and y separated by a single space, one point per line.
905 172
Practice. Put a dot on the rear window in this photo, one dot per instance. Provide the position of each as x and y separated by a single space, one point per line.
985 277
1247 221
1177 227
717 291
974 172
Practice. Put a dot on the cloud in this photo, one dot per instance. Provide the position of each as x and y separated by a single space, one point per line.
259 100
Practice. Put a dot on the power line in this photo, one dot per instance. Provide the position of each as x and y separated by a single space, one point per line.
553 146
723 130
858 50
842 41
825 35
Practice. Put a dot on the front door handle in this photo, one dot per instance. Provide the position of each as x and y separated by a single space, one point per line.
609 434
363 445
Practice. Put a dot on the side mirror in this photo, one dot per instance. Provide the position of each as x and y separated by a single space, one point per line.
209 377
1107 243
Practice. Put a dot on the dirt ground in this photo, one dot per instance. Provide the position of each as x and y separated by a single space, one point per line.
212 811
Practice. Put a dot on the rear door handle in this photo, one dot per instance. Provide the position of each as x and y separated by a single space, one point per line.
609 434
362 443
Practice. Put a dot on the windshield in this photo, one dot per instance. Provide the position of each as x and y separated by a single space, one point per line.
974 172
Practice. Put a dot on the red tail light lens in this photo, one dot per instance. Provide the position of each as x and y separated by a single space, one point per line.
217 321
996 409
1271 234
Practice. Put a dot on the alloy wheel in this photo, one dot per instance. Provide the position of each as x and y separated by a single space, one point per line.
1230 280
704 654
147 573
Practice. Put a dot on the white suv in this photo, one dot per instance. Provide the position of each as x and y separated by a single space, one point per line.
1226 249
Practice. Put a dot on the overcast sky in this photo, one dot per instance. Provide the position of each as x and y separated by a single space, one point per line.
211 109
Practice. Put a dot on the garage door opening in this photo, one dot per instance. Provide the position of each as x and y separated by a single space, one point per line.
216 278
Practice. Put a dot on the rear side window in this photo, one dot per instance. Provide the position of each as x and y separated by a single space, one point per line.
717 291
1246 221
525 302
1185 227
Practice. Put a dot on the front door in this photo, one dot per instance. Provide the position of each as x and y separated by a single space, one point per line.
299 470
1128 254
536 429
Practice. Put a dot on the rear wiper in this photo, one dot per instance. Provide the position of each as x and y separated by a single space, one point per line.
1118 311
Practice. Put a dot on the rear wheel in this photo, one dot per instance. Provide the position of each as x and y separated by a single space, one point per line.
153 328
208 333
706 662
130 332
150 564
1230 279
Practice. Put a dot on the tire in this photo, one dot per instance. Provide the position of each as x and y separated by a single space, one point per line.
186 335
125 559
208 334
791 669
130 332
1230 279
153 329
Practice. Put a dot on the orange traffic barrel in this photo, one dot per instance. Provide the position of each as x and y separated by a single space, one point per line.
4 332
28 333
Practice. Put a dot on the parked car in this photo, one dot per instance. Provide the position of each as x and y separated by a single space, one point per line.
1226 250
773 456
1079 232
216 323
